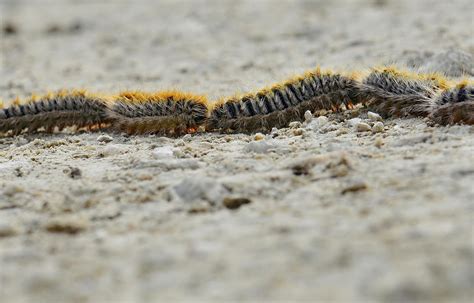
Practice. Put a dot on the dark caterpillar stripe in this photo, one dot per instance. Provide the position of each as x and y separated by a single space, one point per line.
282 103
396 93
62 109
167 113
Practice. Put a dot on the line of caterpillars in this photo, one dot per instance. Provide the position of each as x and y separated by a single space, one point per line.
387 90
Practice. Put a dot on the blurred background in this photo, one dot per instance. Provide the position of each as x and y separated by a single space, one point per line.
212 46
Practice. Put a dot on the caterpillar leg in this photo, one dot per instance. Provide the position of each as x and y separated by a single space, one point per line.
395 93
62 109
282 103
166 113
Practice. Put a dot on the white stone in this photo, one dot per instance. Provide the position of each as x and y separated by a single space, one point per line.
322 120
258 136
298 132
258 146
163 152
374 116
112 150
362 127
105 138
378 127
354 121
308 116
191 190
318 122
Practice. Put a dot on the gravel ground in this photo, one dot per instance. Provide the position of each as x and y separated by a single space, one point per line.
339 208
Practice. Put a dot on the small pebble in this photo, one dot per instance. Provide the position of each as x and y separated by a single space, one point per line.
298 132
342 131
354 121
21 141
105 138
322 120
74 172
308 116
67 225
317 123
378 127
261 146
234 203
111 150
378 142
295 124
259 136
362 127
192 190
374 116
163 152
355 187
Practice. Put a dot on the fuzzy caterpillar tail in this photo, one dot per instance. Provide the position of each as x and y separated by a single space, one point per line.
392 92
61 109
456 105
282 103
166 113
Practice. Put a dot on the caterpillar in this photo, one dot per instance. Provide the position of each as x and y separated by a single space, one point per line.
65 108
281 103
392 92
387 91
167 113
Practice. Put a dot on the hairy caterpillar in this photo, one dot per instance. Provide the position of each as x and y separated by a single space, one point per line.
65 108
388 91
284 102
392 92
168 112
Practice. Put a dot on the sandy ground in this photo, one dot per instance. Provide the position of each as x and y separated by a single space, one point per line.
314 213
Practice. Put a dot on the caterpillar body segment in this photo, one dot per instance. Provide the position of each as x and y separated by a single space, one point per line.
460 93
396 93
282 103
167 113
54 110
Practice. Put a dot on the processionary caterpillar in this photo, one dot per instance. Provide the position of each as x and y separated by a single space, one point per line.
389 91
